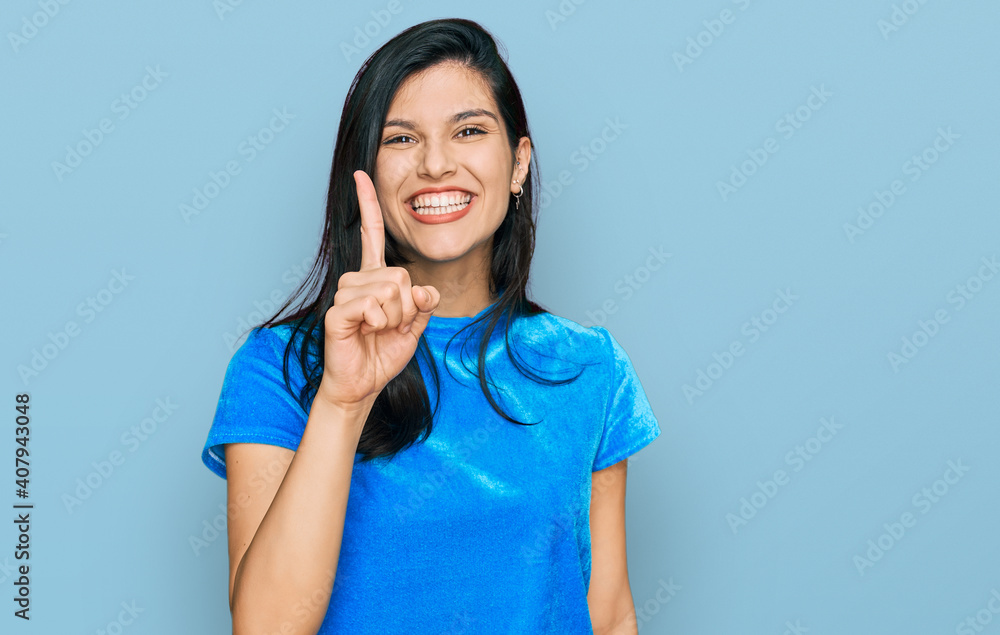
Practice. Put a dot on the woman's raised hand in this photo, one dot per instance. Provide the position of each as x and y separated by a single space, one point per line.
376 320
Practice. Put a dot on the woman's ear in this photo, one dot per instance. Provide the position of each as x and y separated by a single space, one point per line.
522 155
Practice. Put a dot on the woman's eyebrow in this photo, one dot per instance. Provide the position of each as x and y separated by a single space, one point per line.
477 112
466 114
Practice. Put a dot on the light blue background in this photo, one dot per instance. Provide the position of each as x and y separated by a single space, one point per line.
687 125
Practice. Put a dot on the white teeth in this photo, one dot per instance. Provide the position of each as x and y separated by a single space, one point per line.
437 211
441 203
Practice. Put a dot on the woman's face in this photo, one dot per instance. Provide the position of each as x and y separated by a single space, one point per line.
444 171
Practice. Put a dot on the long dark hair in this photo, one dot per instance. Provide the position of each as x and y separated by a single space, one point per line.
401 412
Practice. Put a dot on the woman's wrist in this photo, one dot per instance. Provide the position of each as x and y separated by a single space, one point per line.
348 415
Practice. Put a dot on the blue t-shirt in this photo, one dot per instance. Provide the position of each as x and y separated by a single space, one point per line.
484 527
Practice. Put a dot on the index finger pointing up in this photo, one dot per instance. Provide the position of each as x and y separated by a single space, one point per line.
372 229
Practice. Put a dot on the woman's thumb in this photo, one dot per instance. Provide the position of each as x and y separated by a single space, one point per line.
424 298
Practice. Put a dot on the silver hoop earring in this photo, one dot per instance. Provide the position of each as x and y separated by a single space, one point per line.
517 197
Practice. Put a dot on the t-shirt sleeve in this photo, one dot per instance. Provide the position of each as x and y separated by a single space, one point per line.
255 406
629 423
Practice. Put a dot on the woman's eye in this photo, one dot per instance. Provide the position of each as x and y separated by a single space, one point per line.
396 139
474 129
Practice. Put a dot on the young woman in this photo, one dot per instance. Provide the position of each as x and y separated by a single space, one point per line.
355 504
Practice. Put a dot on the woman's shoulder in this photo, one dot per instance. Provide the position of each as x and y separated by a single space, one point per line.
549 331
275 334
261 342
267 346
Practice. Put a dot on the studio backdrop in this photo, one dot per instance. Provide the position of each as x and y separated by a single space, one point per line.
786 213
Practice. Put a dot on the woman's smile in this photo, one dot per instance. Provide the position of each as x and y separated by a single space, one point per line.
434 208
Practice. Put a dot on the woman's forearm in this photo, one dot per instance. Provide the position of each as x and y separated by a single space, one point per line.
292 560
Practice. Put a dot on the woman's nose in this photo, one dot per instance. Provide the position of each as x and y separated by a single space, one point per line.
437 160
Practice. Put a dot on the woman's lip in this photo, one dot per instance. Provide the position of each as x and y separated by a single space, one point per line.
437 190
436 219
